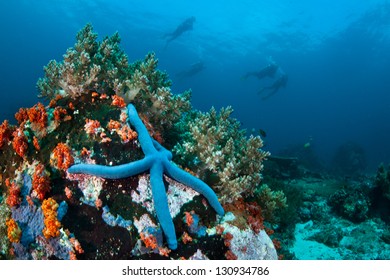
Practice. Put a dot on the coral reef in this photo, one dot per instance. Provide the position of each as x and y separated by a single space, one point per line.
103 67
88 124
158 161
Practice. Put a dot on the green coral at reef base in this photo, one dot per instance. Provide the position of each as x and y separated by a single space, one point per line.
85 122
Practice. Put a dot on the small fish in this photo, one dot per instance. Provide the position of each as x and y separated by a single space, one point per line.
307 145
262 133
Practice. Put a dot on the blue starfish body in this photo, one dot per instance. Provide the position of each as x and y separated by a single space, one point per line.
158 160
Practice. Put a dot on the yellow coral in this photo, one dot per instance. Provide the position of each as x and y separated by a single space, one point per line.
13 231
52 225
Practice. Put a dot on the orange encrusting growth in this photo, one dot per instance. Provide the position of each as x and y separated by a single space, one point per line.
61 157
40 182
13 231
52 225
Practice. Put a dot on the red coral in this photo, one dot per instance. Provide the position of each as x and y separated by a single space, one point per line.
113 125
230 255
59 114
13 198
189 218
227 239
127 134
36 144
186 238
40 182
19 143
37 115
149 240
91 126
250 211
53 102
21 116
71 106
118 101
219 229
5 133
61 157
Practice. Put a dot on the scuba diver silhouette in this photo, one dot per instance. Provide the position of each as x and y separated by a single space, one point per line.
191 71
272 70
186 25
268 71
280 81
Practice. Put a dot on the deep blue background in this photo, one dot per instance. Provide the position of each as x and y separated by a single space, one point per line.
334 51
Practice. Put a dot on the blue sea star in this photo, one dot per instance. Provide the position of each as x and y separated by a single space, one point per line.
158 160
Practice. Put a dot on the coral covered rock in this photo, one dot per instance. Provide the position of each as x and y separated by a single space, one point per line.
61 214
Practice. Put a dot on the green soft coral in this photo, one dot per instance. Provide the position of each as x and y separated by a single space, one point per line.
103 67
215 144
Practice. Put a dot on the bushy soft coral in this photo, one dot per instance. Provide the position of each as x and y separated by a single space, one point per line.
5 133
271 202
61 157
214 143
52 225
40 182
19 142
103 67
13 198
13 231
37 116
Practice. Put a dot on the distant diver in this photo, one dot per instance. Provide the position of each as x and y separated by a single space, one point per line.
186 25
191 71
268 71
272 70
280 81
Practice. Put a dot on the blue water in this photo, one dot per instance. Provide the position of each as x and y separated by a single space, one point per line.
335 53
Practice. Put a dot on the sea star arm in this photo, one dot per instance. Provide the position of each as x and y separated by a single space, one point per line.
198 185
143 134
161 204
113 172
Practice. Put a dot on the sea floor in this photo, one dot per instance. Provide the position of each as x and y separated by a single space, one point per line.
325 233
